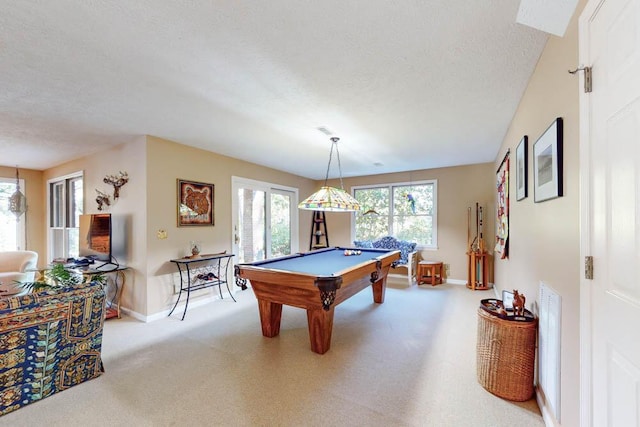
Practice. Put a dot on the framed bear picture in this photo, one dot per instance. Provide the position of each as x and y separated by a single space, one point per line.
195 203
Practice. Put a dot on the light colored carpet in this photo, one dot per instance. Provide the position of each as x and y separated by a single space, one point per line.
408 362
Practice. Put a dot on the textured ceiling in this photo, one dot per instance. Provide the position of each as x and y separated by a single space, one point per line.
405 85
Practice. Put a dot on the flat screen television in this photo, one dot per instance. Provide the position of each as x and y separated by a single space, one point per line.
101 237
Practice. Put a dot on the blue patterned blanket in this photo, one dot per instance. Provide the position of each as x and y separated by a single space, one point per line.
49 341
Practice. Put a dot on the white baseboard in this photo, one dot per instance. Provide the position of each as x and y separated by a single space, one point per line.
544 410
399 278
164 313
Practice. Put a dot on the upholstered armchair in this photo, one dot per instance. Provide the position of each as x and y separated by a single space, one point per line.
16 266
408 254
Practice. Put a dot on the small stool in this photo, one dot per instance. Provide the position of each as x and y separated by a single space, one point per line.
430 272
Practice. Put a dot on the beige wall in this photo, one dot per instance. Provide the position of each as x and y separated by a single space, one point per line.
148 201
458 189
544 239
128 158
35 192
168 161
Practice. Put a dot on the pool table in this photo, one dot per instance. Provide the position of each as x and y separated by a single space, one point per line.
316 281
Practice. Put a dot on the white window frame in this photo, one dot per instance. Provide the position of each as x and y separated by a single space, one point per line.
434 182
64 182
21 223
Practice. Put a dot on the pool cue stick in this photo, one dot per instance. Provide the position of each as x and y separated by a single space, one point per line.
469 228
477 229
481 242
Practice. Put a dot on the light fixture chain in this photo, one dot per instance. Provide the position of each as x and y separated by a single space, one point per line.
339 165
326 177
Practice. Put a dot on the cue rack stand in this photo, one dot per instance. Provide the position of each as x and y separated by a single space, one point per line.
477 255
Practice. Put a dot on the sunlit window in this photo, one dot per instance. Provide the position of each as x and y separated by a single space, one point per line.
407 211
66 198
12 230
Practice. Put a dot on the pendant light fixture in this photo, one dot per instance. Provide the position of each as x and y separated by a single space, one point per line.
330 198
18 201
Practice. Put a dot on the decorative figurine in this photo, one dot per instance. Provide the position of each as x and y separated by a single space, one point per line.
195 249
102 199
518 303
117 181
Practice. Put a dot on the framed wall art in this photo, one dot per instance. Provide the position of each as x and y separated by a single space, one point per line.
502 218
547 163
195 203
522 169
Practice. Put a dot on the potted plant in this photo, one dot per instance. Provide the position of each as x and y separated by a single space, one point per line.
59 276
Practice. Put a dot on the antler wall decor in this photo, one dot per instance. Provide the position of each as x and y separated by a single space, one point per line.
117 181
102 199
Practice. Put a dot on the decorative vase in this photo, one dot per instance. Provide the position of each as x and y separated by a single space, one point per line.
195 249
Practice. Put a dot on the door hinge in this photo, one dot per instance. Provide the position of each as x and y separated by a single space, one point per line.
588 86
588 267
587 80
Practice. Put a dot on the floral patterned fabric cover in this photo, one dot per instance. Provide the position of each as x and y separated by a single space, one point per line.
49 341
390 242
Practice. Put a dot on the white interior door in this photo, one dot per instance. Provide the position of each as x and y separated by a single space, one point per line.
265 220
610 178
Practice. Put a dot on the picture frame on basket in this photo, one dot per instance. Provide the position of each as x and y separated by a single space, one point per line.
507 300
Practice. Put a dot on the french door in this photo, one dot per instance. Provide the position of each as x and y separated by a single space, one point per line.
265 220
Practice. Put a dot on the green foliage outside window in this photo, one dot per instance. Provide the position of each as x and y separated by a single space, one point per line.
404 211
280 225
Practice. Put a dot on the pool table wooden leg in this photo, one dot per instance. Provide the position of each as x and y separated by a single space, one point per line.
320 327
270 315
379 288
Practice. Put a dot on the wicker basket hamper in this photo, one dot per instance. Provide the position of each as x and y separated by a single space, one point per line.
506 351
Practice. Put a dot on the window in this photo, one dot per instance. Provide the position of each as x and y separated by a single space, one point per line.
65 206
12 230
406 211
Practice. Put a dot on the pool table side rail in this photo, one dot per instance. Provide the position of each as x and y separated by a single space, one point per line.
261 272
311 291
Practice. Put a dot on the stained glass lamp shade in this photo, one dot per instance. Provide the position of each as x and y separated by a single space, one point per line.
330 198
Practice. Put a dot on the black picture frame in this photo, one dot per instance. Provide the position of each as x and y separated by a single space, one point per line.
547 163
522 169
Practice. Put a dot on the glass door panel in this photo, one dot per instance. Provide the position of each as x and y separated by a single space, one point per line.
251 229
280 223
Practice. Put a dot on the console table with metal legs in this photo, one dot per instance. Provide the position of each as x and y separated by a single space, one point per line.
202 272
113 284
